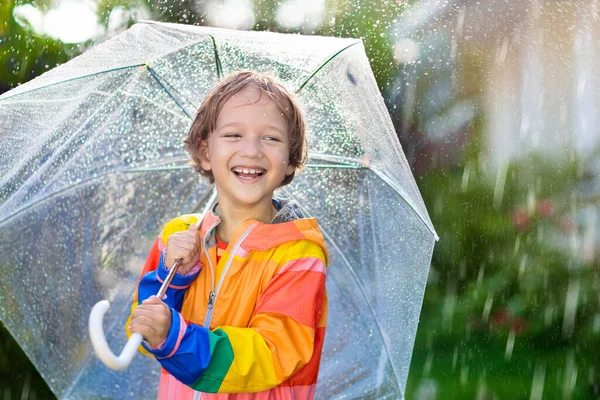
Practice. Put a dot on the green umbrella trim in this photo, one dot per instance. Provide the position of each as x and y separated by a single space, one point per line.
217 59
324 64
166 89
72 79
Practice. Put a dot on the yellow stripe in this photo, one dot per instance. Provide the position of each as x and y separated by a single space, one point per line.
178 224
252 368
290 251
265 357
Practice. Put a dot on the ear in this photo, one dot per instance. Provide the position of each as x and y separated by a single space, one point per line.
204 155
289 169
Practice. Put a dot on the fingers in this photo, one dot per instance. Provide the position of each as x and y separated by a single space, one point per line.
153 308
154 300
184 245
144 326
187 255
152 320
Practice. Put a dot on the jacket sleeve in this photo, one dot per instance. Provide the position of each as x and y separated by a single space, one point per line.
277 343
152 277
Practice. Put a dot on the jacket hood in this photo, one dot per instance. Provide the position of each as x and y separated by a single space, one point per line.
290 224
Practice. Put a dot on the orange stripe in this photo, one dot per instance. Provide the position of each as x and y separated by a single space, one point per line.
307 375
325 310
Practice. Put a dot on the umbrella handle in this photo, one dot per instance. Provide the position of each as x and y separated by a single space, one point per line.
97 331
99 341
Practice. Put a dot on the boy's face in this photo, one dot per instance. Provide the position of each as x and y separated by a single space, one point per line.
248 152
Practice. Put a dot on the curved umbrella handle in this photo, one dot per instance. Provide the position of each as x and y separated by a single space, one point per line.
97 331
99 342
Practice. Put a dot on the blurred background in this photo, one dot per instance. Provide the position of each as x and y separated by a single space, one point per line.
496 105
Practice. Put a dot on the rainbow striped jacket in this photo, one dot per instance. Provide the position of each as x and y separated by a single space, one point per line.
250 326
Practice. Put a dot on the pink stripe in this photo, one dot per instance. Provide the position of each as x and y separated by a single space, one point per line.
182 328
240 252
171 389
159 346
304 264
173 286
196 268
277 393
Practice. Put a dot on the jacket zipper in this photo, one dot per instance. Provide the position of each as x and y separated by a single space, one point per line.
212 271
212 297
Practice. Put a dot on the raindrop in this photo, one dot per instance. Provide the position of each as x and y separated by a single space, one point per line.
570 312
510 344
487 307
465 177
464 374
569 376
522 265
454 357
500 183
428 364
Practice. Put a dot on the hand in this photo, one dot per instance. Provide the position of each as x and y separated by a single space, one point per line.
152 320
184 245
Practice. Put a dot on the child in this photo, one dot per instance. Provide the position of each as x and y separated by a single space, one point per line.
245 315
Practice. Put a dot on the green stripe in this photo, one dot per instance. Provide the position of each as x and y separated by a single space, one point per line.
212 377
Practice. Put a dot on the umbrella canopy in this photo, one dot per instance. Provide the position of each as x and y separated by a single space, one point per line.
92 165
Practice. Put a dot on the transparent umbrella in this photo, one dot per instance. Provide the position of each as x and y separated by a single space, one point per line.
92 164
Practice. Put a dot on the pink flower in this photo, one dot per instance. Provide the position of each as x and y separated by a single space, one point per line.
504 318
545 208
520 220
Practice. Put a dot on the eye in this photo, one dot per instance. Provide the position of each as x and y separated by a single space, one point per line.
231 135
272 138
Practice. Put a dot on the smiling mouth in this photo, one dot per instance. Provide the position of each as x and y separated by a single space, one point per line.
248 173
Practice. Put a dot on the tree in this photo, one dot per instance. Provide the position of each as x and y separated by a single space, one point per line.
23 54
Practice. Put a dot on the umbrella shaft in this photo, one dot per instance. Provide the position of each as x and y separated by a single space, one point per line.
167 282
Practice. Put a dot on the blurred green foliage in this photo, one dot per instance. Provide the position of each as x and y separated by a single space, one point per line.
23 54
501 279
18 377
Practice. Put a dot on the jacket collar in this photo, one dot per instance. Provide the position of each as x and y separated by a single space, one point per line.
289 224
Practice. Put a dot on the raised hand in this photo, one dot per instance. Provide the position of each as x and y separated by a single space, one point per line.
184 245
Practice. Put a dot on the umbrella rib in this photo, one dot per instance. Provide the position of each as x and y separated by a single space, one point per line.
72 79
53 194
339 164
85 181
186 167
217 58
166 89
405 197
324 64
154 102
384 339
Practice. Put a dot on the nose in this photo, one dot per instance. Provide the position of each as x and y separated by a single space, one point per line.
251 147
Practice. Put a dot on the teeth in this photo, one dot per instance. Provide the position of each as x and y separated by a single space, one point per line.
249 170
